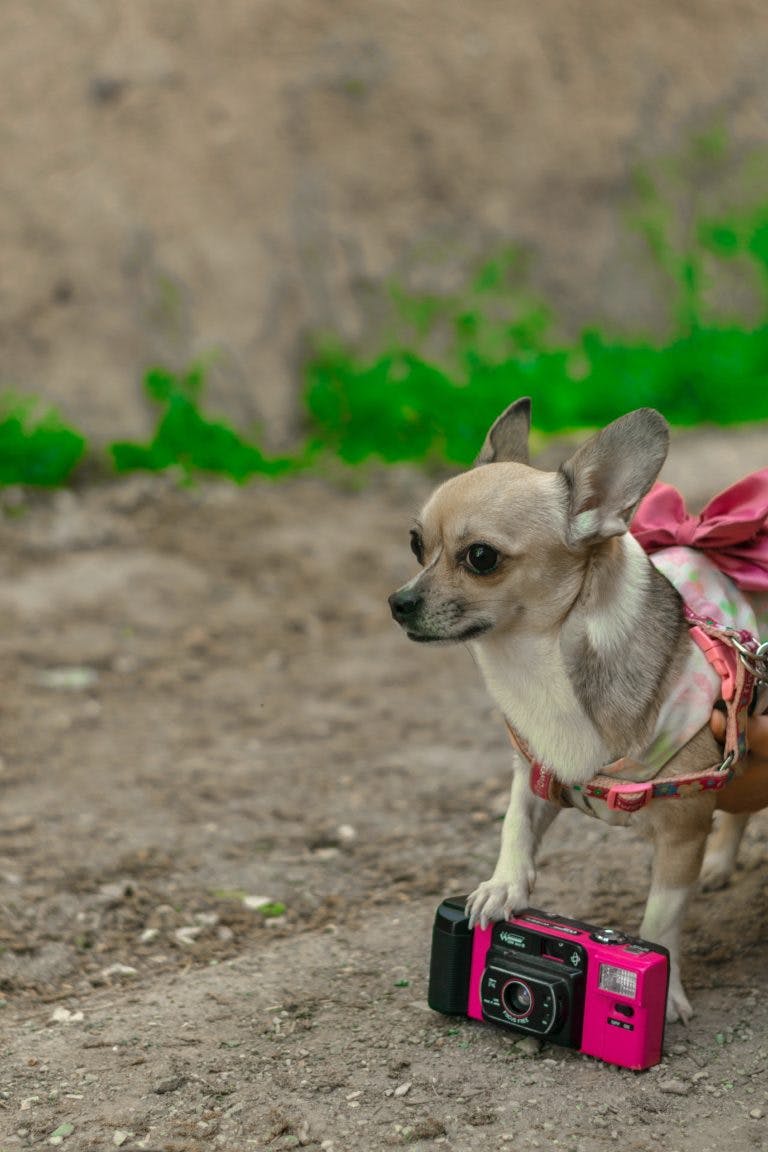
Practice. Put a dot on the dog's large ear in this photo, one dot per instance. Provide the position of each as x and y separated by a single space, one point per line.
508 438
609 475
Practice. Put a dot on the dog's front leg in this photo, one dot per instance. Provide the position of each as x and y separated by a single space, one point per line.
526 821
722 849
679 829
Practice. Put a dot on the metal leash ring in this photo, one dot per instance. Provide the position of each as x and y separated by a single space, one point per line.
760 663
755 660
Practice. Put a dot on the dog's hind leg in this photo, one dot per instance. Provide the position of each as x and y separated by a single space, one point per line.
525 822
679 829
722 849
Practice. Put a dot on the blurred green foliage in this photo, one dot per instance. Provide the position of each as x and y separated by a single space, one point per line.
451 361
401 407
458 359
188 440
36 446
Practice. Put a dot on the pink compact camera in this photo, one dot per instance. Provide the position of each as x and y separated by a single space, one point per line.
593 989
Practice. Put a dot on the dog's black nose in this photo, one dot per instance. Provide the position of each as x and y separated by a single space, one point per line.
404 604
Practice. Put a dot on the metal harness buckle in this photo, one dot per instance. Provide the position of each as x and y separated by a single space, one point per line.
755 660
726 764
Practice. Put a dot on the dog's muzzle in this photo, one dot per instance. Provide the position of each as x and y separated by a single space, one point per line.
404 605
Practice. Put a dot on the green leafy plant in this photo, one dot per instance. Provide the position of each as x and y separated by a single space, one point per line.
272 911
455 361
36 446
187 439
449 362
402 407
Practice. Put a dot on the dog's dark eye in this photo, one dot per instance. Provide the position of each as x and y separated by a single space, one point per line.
481 558
417 546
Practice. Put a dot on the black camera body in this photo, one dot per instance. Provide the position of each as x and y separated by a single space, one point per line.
593 989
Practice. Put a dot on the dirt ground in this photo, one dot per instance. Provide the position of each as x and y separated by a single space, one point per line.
205 704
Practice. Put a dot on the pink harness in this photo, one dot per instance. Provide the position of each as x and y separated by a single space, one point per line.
733 530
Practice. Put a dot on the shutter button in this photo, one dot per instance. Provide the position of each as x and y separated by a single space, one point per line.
609 936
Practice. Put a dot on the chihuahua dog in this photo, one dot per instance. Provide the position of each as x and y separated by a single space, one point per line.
578 637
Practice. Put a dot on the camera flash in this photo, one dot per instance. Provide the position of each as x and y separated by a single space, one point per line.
622 981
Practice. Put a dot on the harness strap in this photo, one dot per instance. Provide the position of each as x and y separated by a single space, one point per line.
735 655
621 795
631 797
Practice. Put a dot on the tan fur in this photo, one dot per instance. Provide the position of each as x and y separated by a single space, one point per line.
578 639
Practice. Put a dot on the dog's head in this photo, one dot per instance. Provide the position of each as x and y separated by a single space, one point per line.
506 546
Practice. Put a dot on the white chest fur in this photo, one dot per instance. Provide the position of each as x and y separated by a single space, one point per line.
526 677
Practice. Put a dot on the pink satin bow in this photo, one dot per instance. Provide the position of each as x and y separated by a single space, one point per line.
732 529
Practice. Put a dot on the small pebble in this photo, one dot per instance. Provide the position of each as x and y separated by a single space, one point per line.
171 1084
675 1087
188 934
63 1015
61 1133
124 971
74 679
529 1046
327 853
756 1113
402 1089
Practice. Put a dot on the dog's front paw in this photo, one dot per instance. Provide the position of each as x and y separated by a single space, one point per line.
496 900
678 1005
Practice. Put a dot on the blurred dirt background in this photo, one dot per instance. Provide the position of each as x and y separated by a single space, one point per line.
186 178
204 702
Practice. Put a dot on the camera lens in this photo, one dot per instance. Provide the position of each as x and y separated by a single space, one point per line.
517 998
